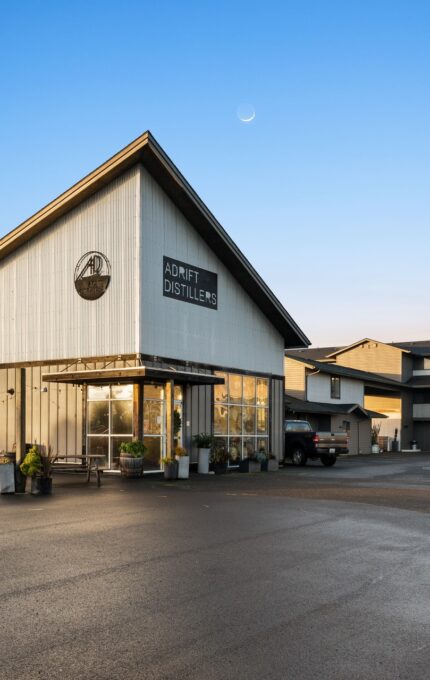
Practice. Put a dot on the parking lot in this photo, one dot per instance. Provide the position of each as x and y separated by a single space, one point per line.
305 573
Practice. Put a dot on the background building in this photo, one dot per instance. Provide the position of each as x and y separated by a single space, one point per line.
396 383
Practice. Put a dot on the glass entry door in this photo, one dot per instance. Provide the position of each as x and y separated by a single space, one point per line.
154 426
109 421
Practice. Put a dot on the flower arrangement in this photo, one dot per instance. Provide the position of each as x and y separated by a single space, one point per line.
168 460
181 452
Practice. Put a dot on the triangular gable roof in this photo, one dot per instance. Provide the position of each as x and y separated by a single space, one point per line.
360 342
146 150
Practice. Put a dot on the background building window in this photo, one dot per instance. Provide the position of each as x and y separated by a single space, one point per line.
334 387
241 414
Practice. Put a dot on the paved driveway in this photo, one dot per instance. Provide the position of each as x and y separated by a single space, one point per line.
306 573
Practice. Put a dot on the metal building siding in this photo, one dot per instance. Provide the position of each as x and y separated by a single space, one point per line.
277 410
8 434
41 315
236 335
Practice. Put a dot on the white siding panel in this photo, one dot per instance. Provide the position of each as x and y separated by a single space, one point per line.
421 411
318 389
41 315
236 335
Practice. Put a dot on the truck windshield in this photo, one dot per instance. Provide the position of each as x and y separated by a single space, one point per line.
297 426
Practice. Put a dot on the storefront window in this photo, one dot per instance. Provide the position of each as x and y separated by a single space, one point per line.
241 414
109 421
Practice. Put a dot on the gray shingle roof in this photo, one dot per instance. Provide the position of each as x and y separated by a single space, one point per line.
337 369
302 406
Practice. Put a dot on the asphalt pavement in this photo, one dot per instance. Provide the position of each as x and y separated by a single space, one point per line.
306 573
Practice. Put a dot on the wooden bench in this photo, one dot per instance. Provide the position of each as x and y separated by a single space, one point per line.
80 464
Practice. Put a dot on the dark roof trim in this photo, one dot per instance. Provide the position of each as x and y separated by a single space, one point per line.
131 374
313 407
146 150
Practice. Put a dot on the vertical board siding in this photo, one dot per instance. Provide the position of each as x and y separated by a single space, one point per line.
374 357
295 378
236 335
41 315
277 410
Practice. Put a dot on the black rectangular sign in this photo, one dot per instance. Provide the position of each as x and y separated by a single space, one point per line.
185 282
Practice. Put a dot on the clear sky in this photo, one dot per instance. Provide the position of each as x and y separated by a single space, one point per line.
326 191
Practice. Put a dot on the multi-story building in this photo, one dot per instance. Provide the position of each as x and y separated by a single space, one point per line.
402 393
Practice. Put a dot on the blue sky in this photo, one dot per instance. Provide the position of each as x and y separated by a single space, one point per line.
326 191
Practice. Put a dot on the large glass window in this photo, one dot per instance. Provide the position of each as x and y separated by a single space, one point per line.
241 414
109 421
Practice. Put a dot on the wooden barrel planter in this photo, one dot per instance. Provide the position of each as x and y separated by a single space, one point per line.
130 466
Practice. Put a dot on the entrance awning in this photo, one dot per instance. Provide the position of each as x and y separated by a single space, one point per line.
132 374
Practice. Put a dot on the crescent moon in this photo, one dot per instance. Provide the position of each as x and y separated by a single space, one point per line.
248 119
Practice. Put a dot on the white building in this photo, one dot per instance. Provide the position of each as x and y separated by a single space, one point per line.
124 300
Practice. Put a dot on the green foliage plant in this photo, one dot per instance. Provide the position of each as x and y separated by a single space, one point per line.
135 449
177 422
31 465
203 440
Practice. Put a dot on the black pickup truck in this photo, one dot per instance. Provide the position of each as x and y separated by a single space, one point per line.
302 443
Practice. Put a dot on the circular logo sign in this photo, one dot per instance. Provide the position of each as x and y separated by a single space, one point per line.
92 275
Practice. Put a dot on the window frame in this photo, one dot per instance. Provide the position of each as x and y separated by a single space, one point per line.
335 387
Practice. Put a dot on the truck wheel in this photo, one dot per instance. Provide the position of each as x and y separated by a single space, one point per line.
328 461
298 456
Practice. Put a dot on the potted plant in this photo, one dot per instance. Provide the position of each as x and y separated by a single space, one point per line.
272 463
204 443
250 464
375 434
31 467
395 442
261 456
47 459
170 468
219 459
177 424
183 459
131 458
7 472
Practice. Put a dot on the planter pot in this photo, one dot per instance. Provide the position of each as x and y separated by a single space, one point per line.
130 466
375 448
395 445
203 467
247 465
36 487
183 467
46 485
20 481
171 470
264 466
272 465
220 468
